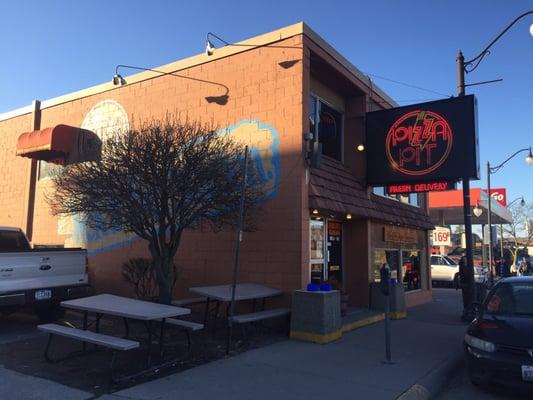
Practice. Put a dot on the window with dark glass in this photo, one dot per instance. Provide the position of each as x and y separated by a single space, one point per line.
390 257
326 124
411 270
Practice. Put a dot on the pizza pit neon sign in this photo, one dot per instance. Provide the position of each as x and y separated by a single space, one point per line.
418 142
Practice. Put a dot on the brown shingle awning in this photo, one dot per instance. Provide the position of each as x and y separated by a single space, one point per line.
50 144
334 188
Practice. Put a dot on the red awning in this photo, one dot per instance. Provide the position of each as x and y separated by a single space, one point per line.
50 144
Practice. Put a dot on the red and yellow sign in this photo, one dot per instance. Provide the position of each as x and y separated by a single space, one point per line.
418 142
426 142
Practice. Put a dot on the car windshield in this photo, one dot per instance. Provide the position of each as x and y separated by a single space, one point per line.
511 298
450 261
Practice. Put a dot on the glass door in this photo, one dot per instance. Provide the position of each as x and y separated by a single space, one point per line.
317 227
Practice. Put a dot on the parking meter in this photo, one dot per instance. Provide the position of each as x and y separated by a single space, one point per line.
385 279
385 284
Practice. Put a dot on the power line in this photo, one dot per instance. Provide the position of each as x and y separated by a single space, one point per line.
409 85
403 101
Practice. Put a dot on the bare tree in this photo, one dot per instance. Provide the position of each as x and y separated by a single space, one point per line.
520 232
156 181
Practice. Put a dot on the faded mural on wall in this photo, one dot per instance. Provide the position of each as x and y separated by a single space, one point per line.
108 117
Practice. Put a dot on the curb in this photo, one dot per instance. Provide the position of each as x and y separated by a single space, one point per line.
431 384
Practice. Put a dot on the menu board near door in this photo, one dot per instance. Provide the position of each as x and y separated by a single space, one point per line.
334 274
334 231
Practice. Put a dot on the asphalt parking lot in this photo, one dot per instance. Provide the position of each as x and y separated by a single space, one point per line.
16 327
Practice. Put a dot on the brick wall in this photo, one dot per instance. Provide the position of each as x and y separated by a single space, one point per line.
14 172
260 89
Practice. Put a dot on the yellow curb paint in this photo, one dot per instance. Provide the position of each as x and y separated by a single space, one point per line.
320 338
362 322
323 338
398 315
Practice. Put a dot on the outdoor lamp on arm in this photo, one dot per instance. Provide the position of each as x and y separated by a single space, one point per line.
522 202
477 210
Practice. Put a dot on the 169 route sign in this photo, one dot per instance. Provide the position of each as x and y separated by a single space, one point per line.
428 142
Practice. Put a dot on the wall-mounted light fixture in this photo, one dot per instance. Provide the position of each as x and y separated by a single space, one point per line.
477 210
210 47
315 212
348 216
360 147
118 80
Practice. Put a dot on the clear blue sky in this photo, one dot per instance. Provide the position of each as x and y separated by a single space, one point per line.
53 47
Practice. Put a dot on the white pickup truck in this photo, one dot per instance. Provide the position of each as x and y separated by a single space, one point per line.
39 277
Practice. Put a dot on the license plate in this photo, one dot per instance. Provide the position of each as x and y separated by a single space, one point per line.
527 372
43 294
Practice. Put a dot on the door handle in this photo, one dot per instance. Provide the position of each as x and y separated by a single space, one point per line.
45 267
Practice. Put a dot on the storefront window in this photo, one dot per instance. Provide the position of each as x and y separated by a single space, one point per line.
391 257
410 198
317 249
411 270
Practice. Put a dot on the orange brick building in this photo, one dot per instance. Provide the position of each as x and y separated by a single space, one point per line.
320 222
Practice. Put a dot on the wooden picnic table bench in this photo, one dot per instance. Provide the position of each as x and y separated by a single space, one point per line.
243 319
127 309
188 302
115 343
260 315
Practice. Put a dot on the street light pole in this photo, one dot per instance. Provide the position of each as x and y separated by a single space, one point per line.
493 170
469 293
462 66
489 221
522 203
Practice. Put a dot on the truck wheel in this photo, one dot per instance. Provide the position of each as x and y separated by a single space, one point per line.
7 311
49 311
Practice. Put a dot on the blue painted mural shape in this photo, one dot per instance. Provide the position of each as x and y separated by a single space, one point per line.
263 142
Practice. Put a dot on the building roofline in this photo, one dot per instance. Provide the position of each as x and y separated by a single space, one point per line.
315 37
176 66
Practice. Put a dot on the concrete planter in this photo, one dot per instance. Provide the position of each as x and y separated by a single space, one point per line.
316 316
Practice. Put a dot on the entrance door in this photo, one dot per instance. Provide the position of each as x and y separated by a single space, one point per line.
334 272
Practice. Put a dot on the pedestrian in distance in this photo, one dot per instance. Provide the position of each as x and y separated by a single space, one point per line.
522 269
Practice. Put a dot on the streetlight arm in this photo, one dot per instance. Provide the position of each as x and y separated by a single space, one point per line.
476 60
515 200
495 169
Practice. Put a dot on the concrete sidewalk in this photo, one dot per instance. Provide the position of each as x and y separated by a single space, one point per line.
425 346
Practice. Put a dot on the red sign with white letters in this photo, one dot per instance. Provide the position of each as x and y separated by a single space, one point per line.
499 195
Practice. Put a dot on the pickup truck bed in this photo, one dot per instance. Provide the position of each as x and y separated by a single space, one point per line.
40 277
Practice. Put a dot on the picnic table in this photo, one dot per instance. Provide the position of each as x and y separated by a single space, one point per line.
127 309
243 291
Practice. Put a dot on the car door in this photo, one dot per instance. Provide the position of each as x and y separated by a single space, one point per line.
437 268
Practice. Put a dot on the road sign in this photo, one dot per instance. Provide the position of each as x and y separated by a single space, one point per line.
441 236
